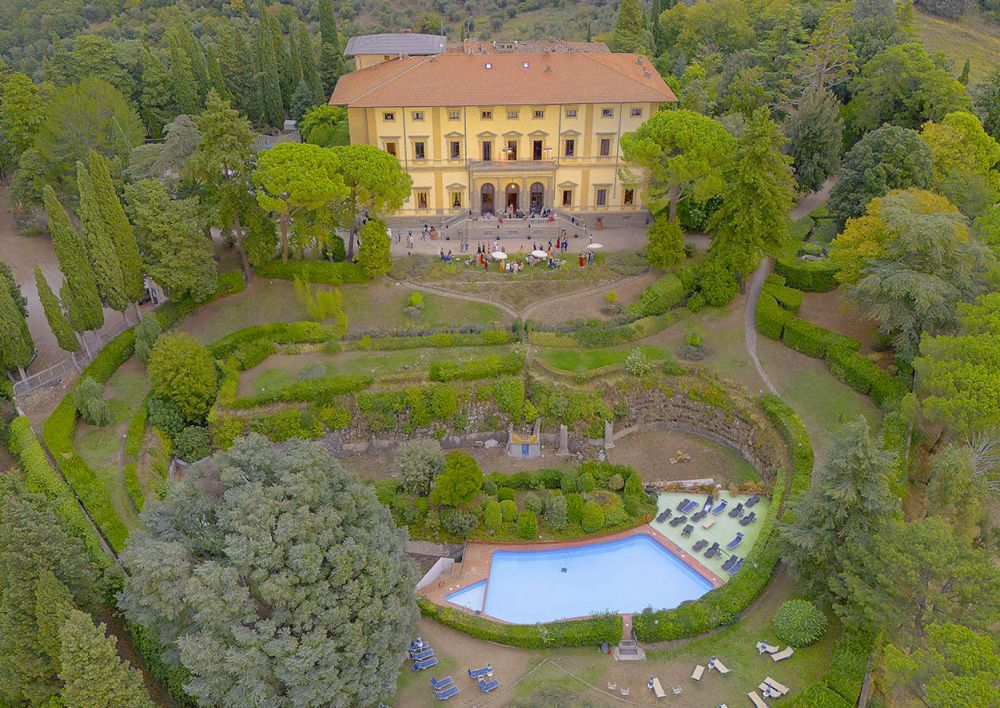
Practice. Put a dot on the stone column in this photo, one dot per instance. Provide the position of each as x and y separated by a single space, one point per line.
563 440
609 435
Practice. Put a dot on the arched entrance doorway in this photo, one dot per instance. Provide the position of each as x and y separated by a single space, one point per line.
512 196
486 203
537 197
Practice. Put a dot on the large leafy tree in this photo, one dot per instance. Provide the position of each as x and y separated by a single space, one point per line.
963 156
22 111
954 666
34 544
166 160
91 115
91 671
930 265
752 218
274 577
296 177
986 99
460 481
849 501
887 158
325 126
903 86
815 133
79 293
683 154
960 374
171 233
182 371
959 489
910 575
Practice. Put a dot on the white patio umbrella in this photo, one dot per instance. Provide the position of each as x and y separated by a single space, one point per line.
540 254
499 255
595 246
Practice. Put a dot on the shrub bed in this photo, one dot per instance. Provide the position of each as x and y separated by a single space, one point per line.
314 391
573 633
323 272
662 295
488 338
771 317
813 340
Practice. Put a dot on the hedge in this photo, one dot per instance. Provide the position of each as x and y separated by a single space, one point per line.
488 338
275 333
662 295
573 633
817 695
813 340
486 368
811 276
41 478
788 298
771 317
323 272
229 283
314 391
864 376
723 605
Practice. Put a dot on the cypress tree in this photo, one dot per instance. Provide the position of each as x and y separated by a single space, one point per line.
100 246
79 292
157 99
181 34
117 225
238 81
331 60
58 323
182 80
964 77
270 105
307 56
16 346
91 671
215 72
294 58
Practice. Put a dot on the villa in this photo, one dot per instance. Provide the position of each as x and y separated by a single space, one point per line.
502 127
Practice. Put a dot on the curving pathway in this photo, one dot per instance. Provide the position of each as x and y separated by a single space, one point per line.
749 322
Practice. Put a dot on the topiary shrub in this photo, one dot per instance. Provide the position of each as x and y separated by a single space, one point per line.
527 525
771 317
492 516
146 334
616 483
508 509
531 502
574 508
182 370
585 482
799 623
717 284
88 398
567 482
458 522
633 485
505 494
193 443
165 415
556 511
696 302
593 517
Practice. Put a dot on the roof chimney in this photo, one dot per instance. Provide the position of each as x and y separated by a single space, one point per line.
638 60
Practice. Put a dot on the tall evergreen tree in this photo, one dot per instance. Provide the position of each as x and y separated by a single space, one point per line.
269 104
629 34
91 671
58 323
180 33
331 61
237 77
214 72
157 101
815 133
182 79
16 346
307 58
53 602
79 293
100 246
656 9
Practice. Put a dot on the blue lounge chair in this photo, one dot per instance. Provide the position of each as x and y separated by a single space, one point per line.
480 672
753 500
664 515
729 563
713 551
487 686
446 693
699 516
678 520
701 544
735 542
425 664
690 506
684 503
441 684
421 655
709 502
735 566
748 519
736 511
721 507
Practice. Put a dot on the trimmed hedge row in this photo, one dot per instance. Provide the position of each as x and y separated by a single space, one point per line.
573 633
813 340
788 298
723 605
665 294
489 338
771 317
314 391
323 272
864 376
811 276
41 478
486 368
274 333
840 686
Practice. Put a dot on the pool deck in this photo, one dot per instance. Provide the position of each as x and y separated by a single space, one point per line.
475 565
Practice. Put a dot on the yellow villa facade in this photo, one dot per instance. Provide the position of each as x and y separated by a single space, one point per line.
516 133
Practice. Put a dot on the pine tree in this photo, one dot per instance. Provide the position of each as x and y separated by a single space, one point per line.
53 602
92 673
16 346
659 34
117 226
157 100
100 247
301 101
58 323
79 293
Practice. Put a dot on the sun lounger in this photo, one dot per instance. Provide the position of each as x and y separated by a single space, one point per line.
698 671
684 503
487 686
753 500
664 515
420 656
418 644
748 519
735 542
654 685
425 664
736 511
721 507
699 516
678 520
776 687
446 693
612 686
687 530
729 563
736 566
709 522
765 648
625 691
713 551
709 503
480 672
720 667
700 544
690 506
783 654
441 684
757 700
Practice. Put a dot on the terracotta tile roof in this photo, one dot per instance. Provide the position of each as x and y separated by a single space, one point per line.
464 80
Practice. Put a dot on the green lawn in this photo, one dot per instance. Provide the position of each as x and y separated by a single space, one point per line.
972 37
379 308
580 361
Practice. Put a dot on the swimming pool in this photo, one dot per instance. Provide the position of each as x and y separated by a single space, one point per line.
622 576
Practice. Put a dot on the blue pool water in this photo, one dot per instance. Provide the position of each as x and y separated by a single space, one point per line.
621 576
